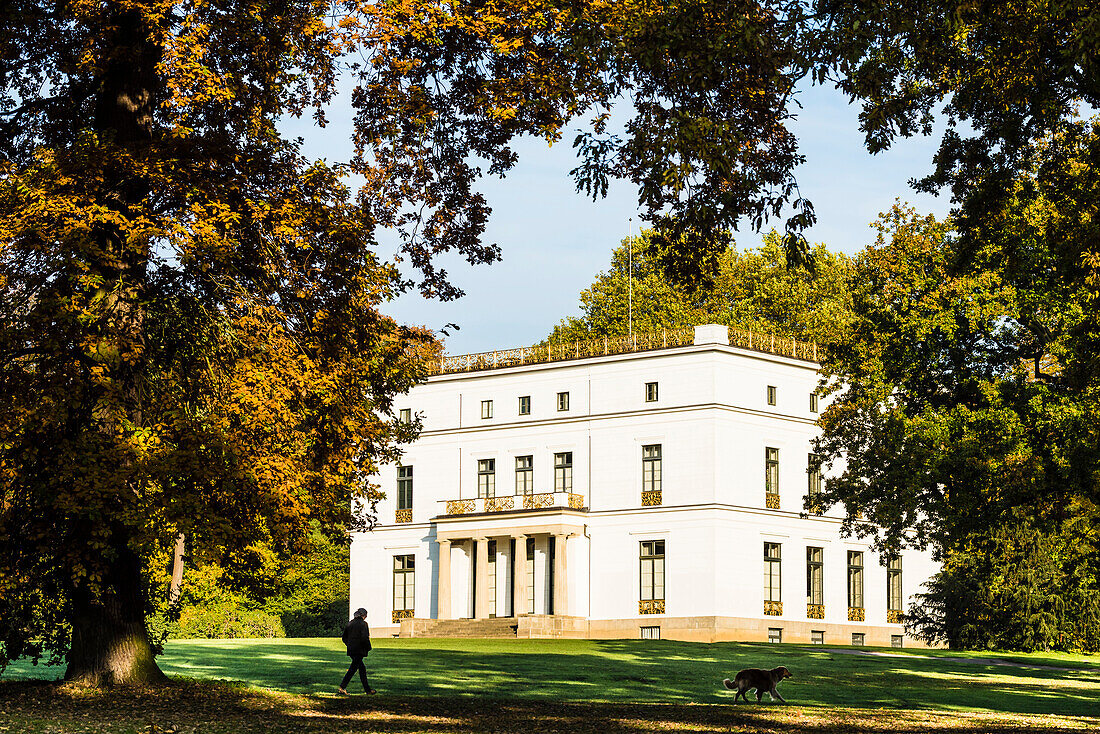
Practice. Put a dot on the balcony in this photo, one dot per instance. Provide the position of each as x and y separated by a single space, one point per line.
855 614
771 500
651 499
512 503
403 516
815 611
651 606
895 616
773 608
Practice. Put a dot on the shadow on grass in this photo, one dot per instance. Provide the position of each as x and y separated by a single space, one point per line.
621 671
211 708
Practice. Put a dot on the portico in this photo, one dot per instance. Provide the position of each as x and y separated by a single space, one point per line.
500 567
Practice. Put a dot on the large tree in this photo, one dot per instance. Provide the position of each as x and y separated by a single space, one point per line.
190 341
753 289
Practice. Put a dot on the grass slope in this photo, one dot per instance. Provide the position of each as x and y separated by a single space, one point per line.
564 685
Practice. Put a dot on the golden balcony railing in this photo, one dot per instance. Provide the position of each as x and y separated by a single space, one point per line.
399 614
651 499
815 611
538 501
461 507
403 516
498 504
638 342
771 500
855 614
895 616
651 606
512 503
773 608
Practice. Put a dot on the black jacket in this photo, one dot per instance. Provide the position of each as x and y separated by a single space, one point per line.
357 637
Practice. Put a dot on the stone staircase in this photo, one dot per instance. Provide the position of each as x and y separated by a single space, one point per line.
496 627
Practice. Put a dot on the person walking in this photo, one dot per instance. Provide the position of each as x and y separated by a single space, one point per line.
357 638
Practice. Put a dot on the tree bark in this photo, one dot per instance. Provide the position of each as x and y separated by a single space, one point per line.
110 644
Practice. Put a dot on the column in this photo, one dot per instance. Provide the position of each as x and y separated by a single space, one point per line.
519 576
443 581
481 579
561 597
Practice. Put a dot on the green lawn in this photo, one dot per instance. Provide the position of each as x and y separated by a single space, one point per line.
427 680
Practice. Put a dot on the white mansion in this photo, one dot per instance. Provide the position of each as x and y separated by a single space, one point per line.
648 489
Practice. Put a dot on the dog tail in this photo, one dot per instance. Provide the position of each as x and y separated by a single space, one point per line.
728 684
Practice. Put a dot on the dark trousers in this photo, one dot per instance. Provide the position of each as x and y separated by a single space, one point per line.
356 664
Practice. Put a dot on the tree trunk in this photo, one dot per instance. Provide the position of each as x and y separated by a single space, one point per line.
110 644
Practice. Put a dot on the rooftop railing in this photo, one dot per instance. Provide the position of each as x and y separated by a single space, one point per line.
642 342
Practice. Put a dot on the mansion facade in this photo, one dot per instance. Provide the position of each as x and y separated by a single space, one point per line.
655 490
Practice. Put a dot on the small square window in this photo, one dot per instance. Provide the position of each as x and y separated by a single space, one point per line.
896 641
813 402
651 392
525 405
651 633
771 394
857 639
817 637
405 416
775 634
486 408
563 401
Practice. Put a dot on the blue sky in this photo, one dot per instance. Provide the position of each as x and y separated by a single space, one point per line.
554 241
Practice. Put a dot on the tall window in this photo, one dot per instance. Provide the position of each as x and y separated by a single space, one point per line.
855 580
893 585
772 572
651 392
525 405
813 402
814 576
487 478
403 585
486 408
771 394
651 468
525 475
652 569
491 579
404 487
530 575
563 401
563 472
405 415
813 483
771 477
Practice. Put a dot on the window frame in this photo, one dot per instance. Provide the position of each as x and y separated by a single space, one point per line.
773 394
486 478
814 408
773 572
655 560
404 487
815 575
815 482
893 579
652 468
563 471
405 571
771 470
486 409
404 415
525 475
524 407
651 392
563 401
855 579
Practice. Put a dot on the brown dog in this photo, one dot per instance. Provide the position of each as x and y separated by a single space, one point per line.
761 680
